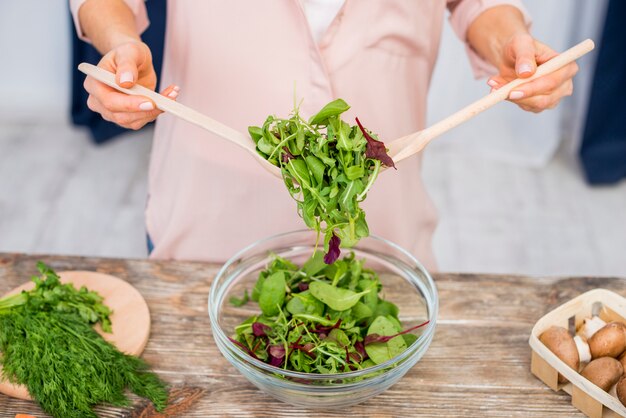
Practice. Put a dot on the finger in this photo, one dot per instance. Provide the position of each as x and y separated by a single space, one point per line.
546 84
171 91
544 52
127 59
115 101
523 49
496 81
539 103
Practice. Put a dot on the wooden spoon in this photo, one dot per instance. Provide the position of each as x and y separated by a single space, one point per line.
183 112
406 146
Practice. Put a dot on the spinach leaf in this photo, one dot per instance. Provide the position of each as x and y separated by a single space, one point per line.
235 301
273 294
382 352
336 298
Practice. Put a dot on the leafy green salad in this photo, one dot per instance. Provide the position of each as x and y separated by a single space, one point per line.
328 167
319 318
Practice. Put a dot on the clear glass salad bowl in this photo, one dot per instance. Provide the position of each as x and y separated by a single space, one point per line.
405 283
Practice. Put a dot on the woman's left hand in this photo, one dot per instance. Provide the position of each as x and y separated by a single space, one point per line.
520 57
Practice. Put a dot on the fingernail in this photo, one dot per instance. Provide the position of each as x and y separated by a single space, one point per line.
146 106
176 88
173 94
126 77
492 83
524 68
515 95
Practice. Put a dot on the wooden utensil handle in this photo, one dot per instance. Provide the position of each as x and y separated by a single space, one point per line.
411 144
171 106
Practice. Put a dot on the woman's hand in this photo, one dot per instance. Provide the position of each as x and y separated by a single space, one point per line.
520 57
132 64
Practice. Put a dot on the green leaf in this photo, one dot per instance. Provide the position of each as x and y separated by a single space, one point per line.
256 290
255 132
238 302
298 169
355 172
382 352
361 311
304 302
334 108
315 264
273 294
385 308
335 297
317 168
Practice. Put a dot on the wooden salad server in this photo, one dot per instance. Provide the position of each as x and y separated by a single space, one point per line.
406 146
183 112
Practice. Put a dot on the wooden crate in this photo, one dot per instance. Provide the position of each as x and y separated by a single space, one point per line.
587 397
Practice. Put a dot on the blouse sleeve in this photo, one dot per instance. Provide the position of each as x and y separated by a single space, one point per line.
463 13
137 6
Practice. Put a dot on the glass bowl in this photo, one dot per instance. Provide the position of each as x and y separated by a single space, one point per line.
405 283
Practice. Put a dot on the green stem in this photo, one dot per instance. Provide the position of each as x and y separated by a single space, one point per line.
12 301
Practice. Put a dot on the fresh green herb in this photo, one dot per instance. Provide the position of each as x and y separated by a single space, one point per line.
235 301
49 345
321 318
328 167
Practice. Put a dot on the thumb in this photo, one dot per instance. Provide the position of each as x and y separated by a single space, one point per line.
524 53
126 67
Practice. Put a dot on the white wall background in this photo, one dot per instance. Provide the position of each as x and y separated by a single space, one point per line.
34 78
34 60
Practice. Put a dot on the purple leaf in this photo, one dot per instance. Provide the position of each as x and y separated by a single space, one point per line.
375 338
276 354
376 149
303 286
243 347
306 348
326 329
260 330
333 250
286 155
277 351
360 348
276 362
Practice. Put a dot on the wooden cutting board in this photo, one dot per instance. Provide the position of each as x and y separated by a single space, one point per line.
130 319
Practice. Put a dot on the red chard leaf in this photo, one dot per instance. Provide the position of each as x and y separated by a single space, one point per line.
376 149
286 155
243 347
375 338
333 250
260 330
277 351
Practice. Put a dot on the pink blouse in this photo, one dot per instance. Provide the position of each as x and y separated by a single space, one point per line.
239 61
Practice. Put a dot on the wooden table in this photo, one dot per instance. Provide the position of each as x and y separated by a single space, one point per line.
478 364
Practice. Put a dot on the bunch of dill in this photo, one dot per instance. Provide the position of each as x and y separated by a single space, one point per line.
49 345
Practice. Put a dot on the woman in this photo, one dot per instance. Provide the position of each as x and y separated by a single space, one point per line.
239 61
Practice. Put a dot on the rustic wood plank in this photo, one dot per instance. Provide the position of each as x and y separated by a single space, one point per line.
478 364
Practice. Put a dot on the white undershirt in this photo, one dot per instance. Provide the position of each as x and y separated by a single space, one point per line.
320 14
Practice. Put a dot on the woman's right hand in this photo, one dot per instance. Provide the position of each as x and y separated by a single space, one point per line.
132 64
